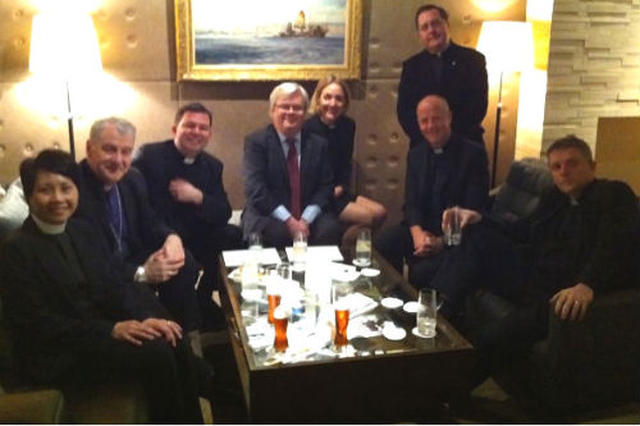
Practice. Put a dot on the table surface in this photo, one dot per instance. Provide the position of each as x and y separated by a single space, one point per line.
434 367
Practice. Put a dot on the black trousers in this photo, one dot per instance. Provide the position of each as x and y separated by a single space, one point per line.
171 378
178 295
206 246
513 311
396 245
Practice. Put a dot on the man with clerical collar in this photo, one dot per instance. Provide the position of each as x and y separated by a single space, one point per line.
74 320
114 196
582 241
287 176
445 68
444 170
186 189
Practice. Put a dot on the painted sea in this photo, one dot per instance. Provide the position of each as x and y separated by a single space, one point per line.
220 50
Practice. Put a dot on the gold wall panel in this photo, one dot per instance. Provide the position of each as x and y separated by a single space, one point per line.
137 40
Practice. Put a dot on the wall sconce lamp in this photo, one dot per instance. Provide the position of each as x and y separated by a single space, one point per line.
508 47
64 50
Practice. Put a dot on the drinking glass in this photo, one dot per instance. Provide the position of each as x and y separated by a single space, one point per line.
363 249
426 315
274 294
299 252
340 293
453 231
281 320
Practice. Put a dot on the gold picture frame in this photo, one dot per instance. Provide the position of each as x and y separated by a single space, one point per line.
252 41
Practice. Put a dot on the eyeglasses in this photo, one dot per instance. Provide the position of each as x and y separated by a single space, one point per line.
290 107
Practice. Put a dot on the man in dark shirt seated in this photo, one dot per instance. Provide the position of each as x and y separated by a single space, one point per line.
72 318
186 190
444 170
113 195
584 238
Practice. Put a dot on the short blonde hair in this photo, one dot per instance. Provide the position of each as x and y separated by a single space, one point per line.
322 84
287 89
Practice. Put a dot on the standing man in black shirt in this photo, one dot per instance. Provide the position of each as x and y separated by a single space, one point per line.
445 68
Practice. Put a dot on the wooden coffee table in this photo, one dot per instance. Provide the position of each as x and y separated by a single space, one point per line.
385 381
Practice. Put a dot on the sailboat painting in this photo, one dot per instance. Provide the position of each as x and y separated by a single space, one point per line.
268 39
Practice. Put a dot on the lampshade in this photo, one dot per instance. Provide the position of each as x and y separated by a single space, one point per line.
507 45
64 46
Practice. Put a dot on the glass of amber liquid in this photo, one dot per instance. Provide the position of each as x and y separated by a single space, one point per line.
273 296
280 322
341 291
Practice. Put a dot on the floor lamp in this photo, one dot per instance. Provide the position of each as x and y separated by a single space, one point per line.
508 47
64 50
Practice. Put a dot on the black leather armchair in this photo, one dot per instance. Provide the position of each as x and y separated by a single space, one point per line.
589 363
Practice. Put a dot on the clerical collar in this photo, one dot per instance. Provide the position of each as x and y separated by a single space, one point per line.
438 151
573 201
188 160
49 228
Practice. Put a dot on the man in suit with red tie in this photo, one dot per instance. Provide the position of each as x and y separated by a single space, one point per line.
287 176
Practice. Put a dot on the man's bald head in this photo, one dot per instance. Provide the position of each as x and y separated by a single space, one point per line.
434 119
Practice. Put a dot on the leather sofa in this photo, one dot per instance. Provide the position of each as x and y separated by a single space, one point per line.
590 363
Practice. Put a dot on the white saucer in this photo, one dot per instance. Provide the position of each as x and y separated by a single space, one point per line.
394 333
410 307
391 302
370 272
416 333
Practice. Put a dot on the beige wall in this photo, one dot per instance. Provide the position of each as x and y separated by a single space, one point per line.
594 66
137 47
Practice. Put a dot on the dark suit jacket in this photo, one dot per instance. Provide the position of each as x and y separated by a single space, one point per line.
266 179
467 184
463 84
48 316
160 163
146 231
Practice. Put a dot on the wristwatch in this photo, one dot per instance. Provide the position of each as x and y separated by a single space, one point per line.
141 275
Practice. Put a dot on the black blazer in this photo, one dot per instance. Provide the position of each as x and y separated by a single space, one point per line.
467 185
147 232
463 84
160 163
266 179
49 318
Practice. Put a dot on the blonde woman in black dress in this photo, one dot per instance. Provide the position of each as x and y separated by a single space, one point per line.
329 105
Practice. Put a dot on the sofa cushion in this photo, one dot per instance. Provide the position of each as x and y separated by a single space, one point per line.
520 194
13 209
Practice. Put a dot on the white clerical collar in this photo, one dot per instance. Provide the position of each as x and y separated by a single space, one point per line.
438 151
188 160
49 228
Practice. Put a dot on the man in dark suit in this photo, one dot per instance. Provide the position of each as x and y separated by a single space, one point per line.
186 190
454 72
72 317
444 170
114 196
287 176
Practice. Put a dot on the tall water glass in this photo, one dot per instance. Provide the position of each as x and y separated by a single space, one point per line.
299 251
363 248
427 313
453 231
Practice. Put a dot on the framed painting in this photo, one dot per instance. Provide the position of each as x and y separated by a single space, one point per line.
268 39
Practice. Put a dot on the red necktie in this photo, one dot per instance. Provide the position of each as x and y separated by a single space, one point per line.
294 177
